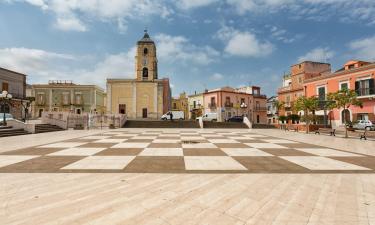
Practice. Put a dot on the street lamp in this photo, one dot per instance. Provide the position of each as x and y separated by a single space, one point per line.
5 97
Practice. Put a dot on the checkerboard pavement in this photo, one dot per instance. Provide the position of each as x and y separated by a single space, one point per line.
183 151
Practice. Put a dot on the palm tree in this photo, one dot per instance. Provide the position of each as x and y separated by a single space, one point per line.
307 105
278 105
344 99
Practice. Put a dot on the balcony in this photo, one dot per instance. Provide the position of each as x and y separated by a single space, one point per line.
284 89
365 92
198 106
260 108
259 96
228 105
212 105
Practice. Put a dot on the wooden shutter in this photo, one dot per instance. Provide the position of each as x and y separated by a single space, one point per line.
371 86
357 88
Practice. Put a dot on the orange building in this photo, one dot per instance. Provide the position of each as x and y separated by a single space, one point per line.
293 83
355 75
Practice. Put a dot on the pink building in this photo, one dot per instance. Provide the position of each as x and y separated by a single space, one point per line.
355 75
228 102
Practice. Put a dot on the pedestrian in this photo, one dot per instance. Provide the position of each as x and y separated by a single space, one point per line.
171 116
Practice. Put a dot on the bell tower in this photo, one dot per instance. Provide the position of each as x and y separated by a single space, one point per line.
145 59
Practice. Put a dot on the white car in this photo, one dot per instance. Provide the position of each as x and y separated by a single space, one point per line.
363 124
177 115
209 117
7 117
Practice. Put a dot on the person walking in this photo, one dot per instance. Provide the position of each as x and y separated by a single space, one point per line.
171 115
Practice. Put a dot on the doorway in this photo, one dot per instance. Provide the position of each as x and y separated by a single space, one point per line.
78 111
144 113
40 112
122 108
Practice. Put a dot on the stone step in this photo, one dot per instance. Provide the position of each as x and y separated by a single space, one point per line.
43 128
12 132
161 124
224 125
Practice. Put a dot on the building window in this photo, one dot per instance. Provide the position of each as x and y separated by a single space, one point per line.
5 86
213 103
145 51
40 99
321 93
362 116
122 108
258 119
174 105
344 85
66 99
194 104
145 73
78 99
364 87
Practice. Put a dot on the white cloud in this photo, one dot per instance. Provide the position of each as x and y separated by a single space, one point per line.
180 49
317 55
243 44
318 10
216 76
190 4
70 14
364 48
70 23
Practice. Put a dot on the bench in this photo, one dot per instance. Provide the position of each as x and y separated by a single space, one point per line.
366 134
291 127
330 131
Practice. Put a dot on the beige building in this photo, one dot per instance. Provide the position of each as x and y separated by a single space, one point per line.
65 96
143 97
195 103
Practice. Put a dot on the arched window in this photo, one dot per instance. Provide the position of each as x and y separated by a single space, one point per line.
345 116
145 73
145 51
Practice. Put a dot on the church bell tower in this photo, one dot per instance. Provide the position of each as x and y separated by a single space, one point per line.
146 61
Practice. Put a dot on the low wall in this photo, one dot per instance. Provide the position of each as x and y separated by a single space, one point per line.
29 127
300 127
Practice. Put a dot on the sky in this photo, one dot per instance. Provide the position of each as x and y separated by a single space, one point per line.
200 43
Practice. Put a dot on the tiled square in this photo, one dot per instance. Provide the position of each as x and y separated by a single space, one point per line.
111 140
143 137
321 163
279 141
63 145
94 137
327 152
212 163
165 145
77 152
286 152
367 162
268 164
166 141
139 140
231 145
97 145
156 164
32 151
131 145
162 152
192 138
222 141
264 145
100 163
203 152
126 135
240 138
244 152
199 145
211 135
6 160
44 164
120 151
254 135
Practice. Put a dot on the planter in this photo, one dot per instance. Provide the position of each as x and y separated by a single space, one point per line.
111 126
79 127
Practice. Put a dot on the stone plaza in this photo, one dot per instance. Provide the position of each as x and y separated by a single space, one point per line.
186 176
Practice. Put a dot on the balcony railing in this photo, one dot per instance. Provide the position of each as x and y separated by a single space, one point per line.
228 104
260 108
365 91
259 96
211 105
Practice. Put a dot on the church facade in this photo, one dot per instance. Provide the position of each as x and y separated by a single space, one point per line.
146 96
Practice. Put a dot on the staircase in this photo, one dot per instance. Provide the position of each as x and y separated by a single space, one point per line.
224 125
12 132
42 128
161 124
263 126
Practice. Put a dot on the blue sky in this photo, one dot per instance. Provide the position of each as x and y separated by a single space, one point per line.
201 43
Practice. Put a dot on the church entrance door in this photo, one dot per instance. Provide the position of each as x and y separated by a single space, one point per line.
144 112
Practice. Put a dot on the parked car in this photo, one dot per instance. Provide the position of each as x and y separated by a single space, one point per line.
208 117
238 119
7 117
363 124
177 115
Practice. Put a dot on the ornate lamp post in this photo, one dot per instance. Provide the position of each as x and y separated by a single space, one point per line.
5 97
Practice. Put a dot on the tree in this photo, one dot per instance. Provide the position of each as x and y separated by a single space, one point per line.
26 103
307 105
344 99
278 105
